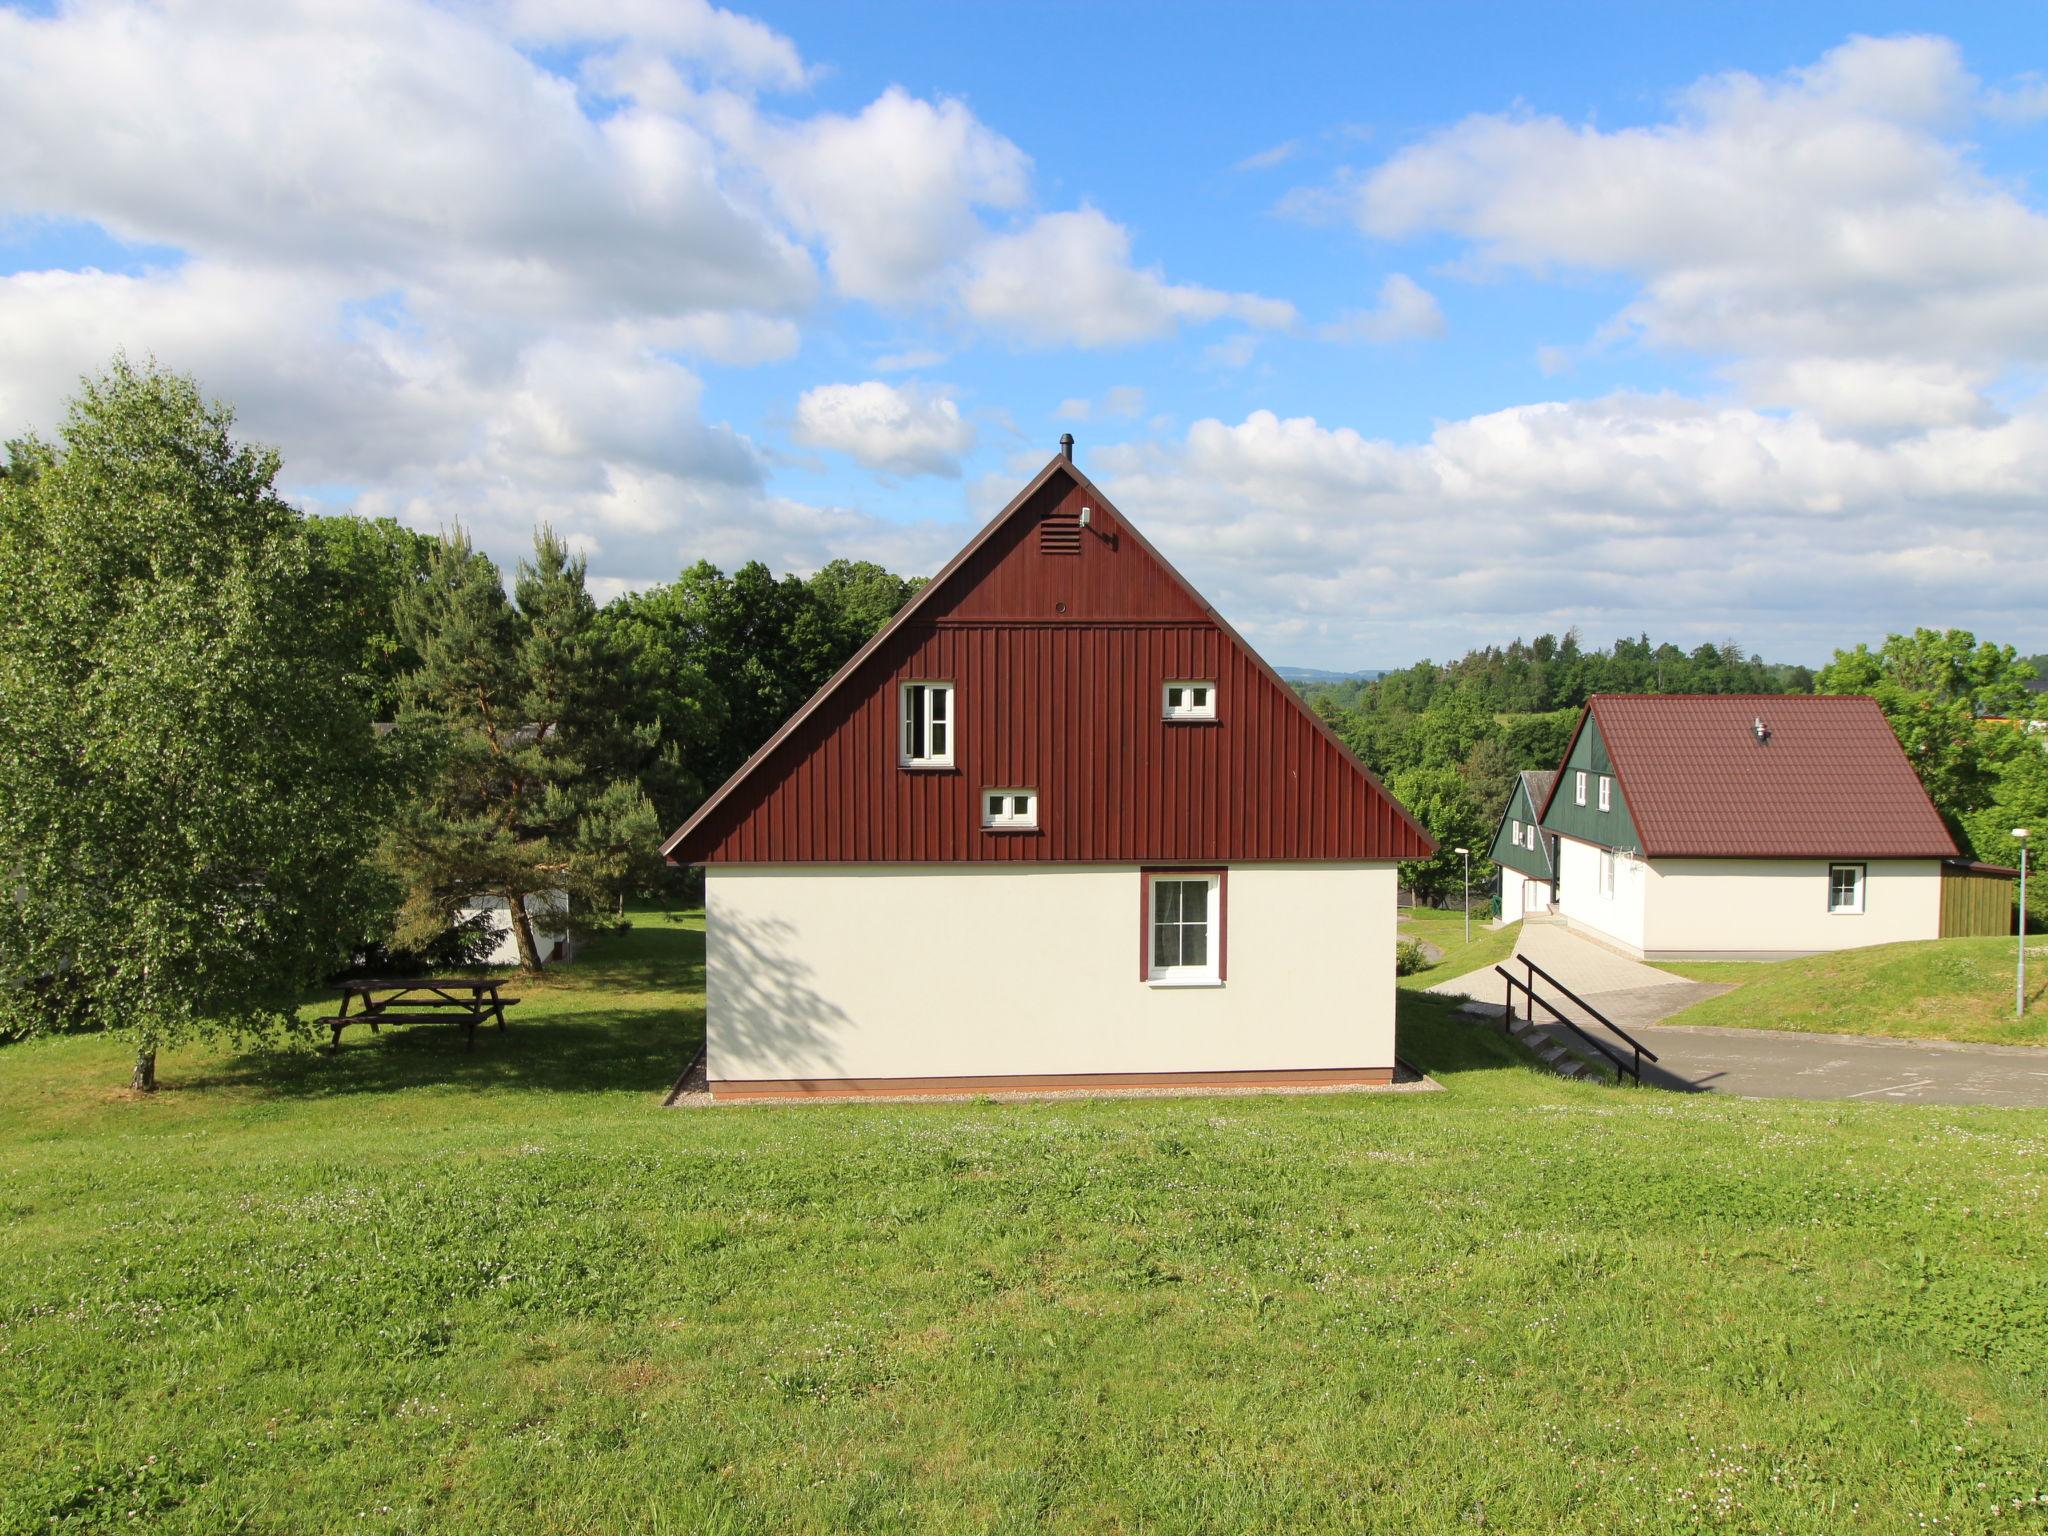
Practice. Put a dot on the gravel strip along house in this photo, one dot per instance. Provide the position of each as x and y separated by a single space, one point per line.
1056 826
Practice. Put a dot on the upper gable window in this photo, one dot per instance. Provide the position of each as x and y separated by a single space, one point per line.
1579 786
1606 793
1518 831
927 725
1184 700
1015 808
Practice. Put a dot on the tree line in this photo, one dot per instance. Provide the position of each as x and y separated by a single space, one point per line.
249 747
1449 739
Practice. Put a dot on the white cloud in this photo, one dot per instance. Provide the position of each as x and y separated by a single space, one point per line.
1406 311
910 360
1121 402
1627 513
902 430
1266 159
730 46
1831 212
892 190
395 143
1066 279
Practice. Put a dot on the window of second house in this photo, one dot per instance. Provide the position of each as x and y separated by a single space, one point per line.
1009 808
1518 831
927 725
1185 700
1579 786
1606 793
1845 888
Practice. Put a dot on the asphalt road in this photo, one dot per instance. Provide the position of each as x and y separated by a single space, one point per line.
1781 1064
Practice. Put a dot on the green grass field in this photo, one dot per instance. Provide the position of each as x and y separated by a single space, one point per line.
1446 930
1942 989
407 1288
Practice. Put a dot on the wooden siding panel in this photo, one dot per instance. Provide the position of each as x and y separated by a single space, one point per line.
1072 711
1057 663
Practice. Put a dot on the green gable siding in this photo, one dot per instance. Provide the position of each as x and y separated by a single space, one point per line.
1528 861
1610 829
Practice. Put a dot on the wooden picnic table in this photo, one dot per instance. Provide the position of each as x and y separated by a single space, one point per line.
465 1000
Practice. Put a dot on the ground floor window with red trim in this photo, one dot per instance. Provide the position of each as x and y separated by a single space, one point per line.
1183 937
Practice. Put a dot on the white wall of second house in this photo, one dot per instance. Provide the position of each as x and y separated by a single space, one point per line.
1773 906
969 971
1617 914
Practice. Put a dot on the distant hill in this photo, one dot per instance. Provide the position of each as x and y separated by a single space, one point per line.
1318 675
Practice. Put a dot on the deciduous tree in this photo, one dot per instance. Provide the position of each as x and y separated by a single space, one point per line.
190 784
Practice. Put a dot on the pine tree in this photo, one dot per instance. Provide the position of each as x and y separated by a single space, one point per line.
514 721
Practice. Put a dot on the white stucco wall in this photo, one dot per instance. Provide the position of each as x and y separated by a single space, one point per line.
921 971
1768 906
1520 894
1618 917
1705 907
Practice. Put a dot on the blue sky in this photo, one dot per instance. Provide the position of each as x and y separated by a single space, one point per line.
1401 329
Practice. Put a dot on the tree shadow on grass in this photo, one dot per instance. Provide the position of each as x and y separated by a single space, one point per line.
599 1050
606 1022
1435 1037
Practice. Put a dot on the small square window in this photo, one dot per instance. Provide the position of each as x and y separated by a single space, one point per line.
927 725
1009 808
1579 786
1606 793
1183 700
1845 888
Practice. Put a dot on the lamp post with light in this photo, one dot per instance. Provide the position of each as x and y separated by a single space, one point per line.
2019 999
1467 853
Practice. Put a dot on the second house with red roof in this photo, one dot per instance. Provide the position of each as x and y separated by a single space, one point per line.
1754 826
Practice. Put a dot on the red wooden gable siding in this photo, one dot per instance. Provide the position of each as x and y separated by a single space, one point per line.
1057 661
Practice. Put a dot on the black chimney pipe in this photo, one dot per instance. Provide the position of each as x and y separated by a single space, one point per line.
1067 446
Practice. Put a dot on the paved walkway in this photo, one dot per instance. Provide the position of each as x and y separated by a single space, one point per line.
1765 1063
1627 991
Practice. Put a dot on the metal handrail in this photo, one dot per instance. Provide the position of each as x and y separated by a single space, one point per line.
1640 1048
1620 1067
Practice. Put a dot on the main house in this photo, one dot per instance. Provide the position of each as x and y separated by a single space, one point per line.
1524 852
1056 826
1754 825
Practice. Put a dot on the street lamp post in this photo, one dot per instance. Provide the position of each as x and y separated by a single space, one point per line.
2019 999
1467 852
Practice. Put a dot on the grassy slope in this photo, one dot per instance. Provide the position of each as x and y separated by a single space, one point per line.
409 1288
1446 930
1941 989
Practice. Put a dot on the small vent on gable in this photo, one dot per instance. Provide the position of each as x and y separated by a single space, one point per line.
1060 534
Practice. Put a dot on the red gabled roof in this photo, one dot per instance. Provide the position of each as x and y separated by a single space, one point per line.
1057 655
1831 781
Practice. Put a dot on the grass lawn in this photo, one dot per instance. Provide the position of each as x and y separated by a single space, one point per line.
1939 989
1446 930
407 1288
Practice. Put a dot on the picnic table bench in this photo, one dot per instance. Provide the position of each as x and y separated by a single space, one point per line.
465 1000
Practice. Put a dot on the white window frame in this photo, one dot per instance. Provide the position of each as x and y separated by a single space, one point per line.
1009 818
1862 874
1208 974
1610 864
1606 793
918 753
1518 831
1579 785
1184 709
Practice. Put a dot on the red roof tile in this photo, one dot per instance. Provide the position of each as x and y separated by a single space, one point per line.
1830 782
